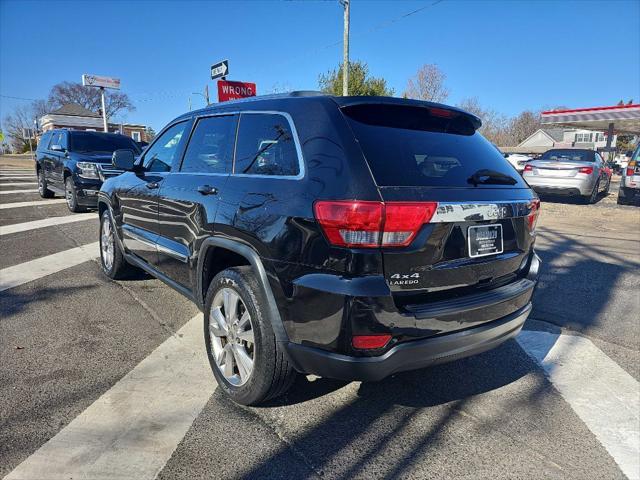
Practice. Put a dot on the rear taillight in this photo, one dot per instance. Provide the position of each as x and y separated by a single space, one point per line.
587 170
528 168
630 172
532 218
367 342
372 224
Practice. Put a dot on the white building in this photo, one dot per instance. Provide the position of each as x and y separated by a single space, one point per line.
546 138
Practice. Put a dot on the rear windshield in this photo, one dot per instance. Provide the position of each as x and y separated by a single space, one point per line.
418 146
569 156
84 142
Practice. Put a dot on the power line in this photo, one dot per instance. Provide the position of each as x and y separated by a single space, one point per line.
19 98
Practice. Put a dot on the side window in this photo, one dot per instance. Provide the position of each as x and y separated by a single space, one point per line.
44 141
55 139
265 146
159 157
64 142
210 147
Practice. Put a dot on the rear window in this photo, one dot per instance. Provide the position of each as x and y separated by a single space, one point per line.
418 146
84 142
569 156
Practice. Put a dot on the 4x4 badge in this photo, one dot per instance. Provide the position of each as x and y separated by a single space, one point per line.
404 279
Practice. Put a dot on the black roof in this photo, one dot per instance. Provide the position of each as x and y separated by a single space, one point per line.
340 101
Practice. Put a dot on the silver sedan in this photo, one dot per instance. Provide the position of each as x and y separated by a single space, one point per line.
570 172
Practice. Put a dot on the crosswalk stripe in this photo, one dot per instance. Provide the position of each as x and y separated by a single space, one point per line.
16 177
605 396
17 184
7 192
133 429
37 203
22 273
46 222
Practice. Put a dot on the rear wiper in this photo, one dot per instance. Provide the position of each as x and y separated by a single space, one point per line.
491 177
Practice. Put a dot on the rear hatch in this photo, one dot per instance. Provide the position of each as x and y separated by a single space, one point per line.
480 235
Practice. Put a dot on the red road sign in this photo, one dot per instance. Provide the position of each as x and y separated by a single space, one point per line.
234 90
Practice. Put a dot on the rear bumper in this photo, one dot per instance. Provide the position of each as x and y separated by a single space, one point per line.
505 310
561 186
409 355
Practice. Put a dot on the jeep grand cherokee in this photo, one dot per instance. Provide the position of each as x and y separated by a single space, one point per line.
347 237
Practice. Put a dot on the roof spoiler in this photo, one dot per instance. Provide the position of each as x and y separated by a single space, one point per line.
438 108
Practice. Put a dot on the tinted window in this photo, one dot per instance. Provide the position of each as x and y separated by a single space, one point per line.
55 139
210 147
44 141
569 155
418 146
265 146
83 142
159 156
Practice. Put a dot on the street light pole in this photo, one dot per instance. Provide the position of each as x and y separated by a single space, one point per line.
104 111
345 59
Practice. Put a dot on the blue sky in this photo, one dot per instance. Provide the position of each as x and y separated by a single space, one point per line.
512 55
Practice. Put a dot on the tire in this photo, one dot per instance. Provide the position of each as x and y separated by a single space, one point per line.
606 190
43 190
71 196
593 197
270 374
112 260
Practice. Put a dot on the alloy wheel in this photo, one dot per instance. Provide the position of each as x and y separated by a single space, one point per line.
41 183
232 337
107 244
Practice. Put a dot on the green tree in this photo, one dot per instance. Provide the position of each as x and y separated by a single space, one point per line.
360 81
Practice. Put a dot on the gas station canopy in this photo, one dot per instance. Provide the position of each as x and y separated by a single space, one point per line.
619 118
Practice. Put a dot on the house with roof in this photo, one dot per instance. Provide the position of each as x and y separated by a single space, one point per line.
75 117
544 139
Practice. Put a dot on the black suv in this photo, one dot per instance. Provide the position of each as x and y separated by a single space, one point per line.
75 163
347 237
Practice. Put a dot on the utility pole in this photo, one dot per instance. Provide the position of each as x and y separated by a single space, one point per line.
104 110
345 41
206 94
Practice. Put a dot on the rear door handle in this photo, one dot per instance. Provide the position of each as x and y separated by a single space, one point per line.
152 185
207 190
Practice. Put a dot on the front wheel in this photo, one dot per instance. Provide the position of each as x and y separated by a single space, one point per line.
606 190
248 363
71 195
111 258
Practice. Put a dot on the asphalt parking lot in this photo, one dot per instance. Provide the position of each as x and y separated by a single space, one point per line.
104 379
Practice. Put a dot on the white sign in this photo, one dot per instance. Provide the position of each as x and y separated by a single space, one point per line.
220 69
96 81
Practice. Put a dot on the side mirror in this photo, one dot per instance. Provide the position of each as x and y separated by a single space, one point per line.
57 148
123 159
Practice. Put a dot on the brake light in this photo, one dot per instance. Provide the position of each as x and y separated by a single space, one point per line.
586 170
528 168
367 342
442 112
532 218
364 224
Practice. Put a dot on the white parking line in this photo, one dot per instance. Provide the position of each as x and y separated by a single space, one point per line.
7 192
605 397
133 429
37 203
41 267
46 222
17 184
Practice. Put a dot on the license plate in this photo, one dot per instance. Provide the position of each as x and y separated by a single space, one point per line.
485 240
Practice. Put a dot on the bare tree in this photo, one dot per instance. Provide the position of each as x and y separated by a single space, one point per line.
495 126
89 97
14 126
523 125
427 84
